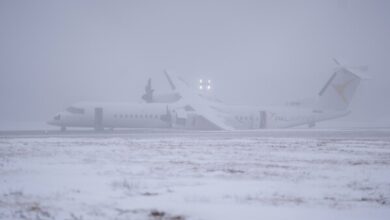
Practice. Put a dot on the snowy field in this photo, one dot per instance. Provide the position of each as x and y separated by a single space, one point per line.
318 174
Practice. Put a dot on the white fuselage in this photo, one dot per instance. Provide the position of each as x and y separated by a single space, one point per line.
113 115
250 117
158 115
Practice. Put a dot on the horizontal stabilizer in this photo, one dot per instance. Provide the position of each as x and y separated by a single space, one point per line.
339 90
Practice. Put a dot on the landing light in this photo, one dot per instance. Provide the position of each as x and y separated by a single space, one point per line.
204 84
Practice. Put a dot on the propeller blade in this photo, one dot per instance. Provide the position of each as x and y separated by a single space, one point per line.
148 96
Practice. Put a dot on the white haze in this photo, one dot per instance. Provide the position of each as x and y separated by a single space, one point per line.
55 53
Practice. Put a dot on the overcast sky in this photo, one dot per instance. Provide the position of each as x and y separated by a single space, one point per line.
55 53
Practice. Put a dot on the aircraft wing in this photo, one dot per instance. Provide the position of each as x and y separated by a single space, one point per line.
210 114
200 105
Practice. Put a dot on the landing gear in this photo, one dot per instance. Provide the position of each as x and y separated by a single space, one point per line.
63 128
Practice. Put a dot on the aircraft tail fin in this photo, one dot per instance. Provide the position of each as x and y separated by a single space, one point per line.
339 90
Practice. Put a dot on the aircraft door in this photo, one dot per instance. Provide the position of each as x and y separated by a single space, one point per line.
263 119
98 120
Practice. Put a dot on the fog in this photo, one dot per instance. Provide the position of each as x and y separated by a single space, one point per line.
55 53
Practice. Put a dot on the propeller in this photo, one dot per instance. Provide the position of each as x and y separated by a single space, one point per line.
148 96
173 87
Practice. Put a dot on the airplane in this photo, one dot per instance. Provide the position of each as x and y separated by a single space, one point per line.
187 109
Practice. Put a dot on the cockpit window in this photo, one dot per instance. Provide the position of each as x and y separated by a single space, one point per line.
75 110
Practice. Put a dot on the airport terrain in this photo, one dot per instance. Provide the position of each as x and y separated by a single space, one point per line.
140 174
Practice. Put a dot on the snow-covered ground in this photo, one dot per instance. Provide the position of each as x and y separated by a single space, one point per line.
217 176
